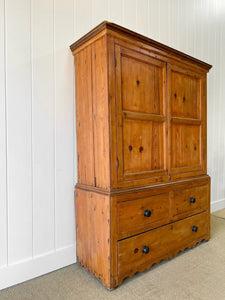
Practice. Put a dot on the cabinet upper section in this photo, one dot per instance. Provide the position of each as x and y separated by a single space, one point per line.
140 110
116 30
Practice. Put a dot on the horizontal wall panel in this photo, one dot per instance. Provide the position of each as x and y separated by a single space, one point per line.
130 14
43 117
115 11
82 17
99 11
64 104
142 17
154 20
3 157
18 107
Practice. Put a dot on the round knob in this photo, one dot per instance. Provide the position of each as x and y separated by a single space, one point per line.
147 213
192 200
194 228
145 249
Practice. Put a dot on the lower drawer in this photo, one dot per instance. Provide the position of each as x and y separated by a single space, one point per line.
153 244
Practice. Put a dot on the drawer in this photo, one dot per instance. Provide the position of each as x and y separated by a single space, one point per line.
142 212
190 200
158 243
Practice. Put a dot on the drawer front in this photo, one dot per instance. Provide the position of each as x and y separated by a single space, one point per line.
149 246
190 200
142 212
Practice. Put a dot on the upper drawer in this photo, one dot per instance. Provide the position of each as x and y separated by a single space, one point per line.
190 200
143 212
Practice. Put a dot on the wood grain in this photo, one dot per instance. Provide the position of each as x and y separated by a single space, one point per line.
84 117
140 94
185 95
142 80
186 146
186 122
100 112
160 242
148 264
111 27
93 233
182 203
143 146
142 153
131 213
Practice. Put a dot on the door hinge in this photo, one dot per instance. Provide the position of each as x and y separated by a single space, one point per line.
95 182
204 154
115 62
169 176
117 162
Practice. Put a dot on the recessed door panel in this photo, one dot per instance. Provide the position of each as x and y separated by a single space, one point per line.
143 146
185 145
185 95
141 86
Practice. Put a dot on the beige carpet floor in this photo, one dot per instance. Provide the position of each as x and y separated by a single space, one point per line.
220 213
197 273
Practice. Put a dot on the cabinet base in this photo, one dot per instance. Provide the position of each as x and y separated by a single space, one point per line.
115 282
167 256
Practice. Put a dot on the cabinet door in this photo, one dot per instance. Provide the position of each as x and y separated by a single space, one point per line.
187 122
141 118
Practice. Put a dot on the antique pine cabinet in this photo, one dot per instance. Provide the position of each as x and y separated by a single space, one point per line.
143 193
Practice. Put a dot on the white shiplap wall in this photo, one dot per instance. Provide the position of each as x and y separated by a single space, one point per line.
37 140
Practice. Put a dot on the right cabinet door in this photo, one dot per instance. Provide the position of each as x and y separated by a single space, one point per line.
187 122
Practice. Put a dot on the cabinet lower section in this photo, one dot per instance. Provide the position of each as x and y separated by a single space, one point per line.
121 233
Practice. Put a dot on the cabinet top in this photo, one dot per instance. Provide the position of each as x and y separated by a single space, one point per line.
108 26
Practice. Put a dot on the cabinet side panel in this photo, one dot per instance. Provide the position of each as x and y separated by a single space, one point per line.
112 110
100 112
93 233
84 119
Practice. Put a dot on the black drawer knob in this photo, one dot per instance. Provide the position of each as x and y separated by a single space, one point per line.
145 249
192 200
194 228
147 213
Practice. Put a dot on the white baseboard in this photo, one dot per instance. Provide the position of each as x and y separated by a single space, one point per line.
217 205
36 266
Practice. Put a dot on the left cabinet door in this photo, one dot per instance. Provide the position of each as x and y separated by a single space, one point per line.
141 118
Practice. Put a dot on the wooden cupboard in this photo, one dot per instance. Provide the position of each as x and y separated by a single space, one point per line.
143 193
